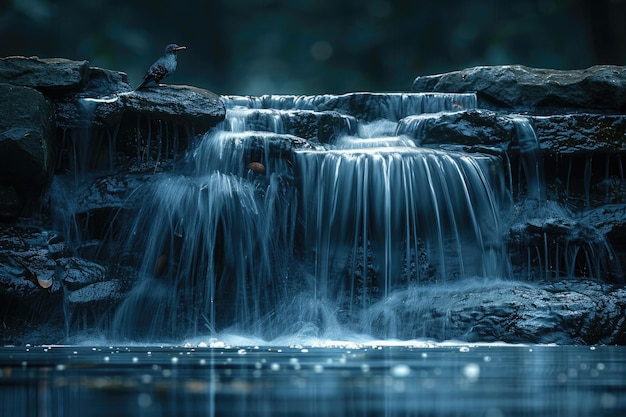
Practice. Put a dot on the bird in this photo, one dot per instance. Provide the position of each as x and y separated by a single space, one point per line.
163 67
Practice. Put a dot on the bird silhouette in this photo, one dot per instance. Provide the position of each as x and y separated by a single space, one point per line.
163 67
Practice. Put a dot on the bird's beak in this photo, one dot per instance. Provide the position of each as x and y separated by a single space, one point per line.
180 48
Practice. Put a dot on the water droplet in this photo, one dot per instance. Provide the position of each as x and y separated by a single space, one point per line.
274 366
174 360
106 359
202 362
400 371
471 372
135 359
424 355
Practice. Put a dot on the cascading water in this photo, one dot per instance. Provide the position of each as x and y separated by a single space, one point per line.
255 218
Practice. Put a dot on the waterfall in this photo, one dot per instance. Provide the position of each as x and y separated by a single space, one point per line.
531 159
256 216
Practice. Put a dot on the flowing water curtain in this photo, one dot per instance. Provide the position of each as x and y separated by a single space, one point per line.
214 242
408 215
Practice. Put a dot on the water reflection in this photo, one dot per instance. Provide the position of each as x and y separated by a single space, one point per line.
357 380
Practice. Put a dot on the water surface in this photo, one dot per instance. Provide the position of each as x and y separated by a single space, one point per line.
419 379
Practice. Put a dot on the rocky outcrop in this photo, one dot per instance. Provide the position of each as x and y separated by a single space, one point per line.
563 312
62 116
52 109
544 91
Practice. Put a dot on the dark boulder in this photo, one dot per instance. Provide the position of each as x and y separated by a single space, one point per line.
50 75
10 203
469 127
199 109
518 88
26 136
562 312
582 134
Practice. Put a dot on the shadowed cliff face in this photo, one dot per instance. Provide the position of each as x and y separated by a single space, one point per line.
280 46
172 212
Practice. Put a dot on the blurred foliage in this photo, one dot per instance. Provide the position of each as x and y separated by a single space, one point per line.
316 46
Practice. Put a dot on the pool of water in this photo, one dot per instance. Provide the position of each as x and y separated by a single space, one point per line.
343 380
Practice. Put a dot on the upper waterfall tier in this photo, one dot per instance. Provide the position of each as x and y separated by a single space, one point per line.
363 106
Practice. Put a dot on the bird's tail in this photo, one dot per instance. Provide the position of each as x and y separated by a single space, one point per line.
144 83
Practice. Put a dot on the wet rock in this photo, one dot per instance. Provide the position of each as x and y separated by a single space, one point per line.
26 136
611 221
323 127
514 87
581 134
199 109
563 312
77 273
97 207
193 107
546 242
27 268
98 292
49 75
10 204
469 127
76 109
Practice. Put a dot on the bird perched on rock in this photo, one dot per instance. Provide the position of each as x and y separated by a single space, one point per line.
163 67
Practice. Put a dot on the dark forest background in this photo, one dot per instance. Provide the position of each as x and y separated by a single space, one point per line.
316 46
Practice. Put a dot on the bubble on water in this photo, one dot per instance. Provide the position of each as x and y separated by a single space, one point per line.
106 359
275 366
60 367
608 400
317 368
242 352
424 355
471 372
144 400
600 366
464 349
135 359
400 371
487 358
174 360
365 368
203 362
202 345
